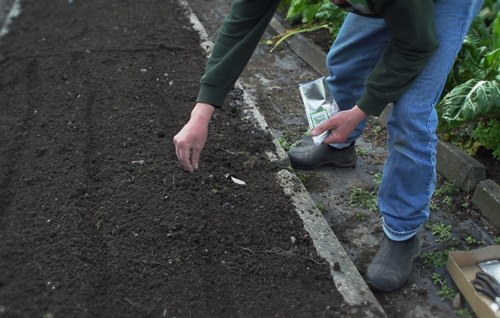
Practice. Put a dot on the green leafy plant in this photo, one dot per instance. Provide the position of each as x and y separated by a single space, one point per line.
489 135
310 15
464 313
445 292
470 109
321 207
286 144
364 198
442 231
447 188
471 240
362 216
445 193
436 259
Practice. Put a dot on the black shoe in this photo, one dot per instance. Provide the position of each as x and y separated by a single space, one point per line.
307 158
391 267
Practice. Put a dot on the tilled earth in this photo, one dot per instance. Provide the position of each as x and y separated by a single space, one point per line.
97 219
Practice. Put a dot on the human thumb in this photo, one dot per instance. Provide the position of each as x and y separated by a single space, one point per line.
317 131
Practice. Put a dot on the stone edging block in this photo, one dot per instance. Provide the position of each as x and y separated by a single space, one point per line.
487 199
456 165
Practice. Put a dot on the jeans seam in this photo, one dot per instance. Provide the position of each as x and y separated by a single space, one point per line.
463 28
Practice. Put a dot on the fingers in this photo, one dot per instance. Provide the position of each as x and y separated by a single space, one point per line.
334 137
183 152
185 157
319 130
195 157
330 124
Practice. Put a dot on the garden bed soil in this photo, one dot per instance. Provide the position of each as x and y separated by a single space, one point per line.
97 219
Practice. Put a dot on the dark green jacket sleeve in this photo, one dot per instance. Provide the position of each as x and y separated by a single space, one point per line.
236 41
412 23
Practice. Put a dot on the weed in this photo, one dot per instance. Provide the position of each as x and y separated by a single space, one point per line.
362 216
286 144
436 259
445 192
445 292
363 198
433 205
302 177
447 188
377 128
321 207
436 279
366 198
464 313
470 240
448 200
497 240
377 178
442 231
307 178
362 152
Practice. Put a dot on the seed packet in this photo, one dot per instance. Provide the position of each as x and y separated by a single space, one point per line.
319 105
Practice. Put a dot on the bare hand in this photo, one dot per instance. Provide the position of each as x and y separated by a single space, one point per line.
189 142
340 125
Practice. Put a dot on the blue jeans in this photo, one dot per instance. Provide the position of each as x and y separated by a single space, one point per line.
409 176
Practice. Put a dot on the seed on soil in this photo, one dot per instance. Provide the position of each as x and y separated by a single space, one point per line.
293 239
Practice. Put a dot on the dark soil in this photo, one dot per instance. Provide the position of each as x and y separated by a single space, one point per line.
97 219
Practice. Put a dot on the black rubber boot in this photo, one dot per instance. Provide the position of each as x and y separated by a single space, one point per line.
392 264
311 157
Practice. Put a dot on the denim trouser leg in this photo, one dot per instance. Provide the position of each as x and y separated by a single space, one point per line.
409 174
353 56
410 170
